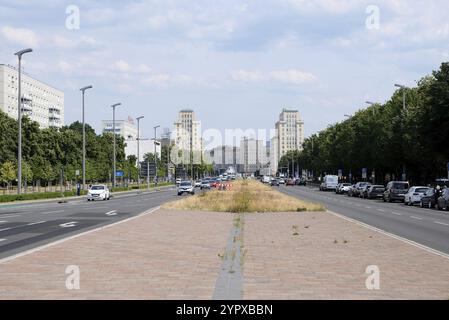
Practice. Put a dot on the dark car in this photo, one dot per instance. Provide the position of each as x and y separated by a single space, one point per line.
351 190
443 200
375 192
301 182
395 191
275 183
429 199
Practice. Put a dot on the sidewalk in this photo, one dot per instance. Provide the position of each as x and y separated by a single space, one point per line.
178 255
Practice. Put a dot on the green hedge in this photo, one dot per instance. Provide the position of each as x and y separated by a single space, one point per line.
38 196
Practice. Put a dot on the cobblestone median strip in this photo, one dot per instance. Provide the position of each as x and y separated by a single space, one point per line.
229 285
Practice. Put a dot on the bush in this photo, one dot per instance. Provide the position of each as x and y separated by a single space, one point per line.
38 196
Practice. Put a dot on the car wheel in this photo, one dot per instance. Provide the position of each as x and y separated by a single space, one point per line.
421 204
430 204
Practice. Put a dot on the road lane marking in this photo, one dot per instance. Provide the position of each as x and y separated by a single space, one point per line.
21 254
3 221
417 218
111 213
413 243
5 229
368 207
50 212
68 224
381 210
34 223
442 223
396 213
3 240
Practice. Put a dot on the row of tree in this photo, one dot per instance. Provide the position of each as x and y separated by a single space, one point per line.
386 138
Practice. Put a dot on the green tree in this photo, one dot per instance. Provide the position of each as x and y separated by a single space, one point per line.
8 173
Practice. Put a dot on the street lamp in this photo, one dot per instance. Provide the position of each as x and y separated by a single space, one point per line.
113 131
138 148
155 155
84 138
168 154
348 116
372 104
19 103
404 108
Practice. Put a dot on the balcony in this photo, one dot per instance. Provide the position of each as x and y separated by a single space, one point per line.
54 123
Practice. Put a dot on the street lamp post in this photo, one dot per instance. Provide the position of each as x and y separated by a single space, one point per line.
155 155
372 104
84 138
404 107
19 103
138 149
113 132
168 155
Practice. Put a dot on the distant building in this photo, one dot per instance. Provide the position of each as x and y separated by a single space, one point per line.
40 102
187 137
253 155
225 157
125 128
289 135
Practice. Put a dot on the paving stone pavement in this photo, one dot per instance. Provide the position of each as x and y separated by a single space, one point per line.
162 255
328 260
176 255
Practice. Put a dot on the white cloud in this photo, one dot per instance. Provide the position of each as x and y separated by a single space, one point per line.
290 76
121 65
20 36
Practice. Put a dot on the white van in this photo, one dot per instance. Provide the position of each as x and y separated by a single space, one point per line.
330 182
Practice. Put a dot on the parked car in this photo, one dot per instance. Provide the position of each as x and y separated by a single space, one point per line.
186 187
290 182
414 195
355 190
282 181
443 200
375 192
205 184
429 199
351 190
442 183
301 182
98 192
343 188
395 191
274 182
363 193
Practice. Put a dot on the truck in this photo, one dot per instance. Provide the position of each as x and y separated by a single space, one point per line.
330 182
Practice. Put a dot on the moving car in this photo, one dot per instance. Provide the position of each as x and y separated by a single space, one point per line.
375 192
282 181
198 184
274 182
186 187
414 195
205 184
396 190
329 183
443 200
429 199
98 192
266 179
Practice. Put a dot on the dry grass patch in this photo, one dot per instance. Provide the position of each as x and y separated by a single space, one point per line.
245 196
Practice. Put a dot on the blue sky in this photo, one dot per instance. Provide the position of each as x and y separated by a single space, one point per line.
236 63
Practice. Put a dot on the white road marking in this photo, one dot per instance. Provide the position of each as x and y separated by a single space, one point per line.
3 221
397 213
442 223
50 212
368 207
381 210
5 229
68 224
9 215
34 223
3 240
417 218
111 213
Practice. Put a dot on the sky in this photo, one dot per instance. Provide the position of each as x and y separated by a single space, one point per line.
235 63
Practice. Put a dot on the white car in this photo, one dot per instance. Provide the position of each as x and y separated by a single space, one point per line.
414 195
186 187
198 184
98 192
281 181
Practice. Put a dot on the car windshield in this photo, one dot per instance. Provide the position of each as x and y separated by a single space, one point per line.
186 184
97 188
422 190
379 188
400 186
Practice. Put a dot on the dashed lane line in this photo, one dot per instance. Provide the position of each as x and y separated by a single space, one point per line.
442 223
416 218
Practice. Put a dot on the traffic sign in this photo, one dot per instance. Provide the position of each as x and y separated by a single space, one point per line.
340 173
119 173
77 172
364 173
147 169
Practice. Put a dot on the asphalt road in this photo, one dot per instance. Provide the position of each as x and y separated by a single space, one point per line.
26 226
424 226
